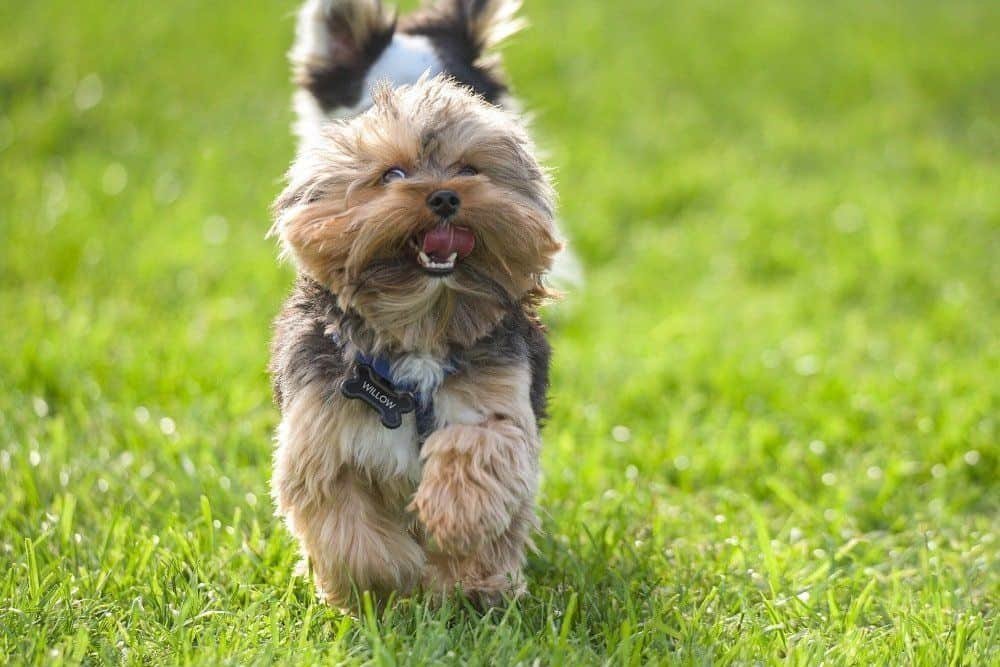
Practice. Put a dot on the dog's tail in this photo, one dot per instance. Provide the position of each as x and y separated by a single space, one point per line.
343 47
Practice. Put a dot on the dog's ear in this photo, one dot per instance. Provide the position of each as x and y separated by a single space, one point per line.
489 22
354 27
482 23
336 42
463 33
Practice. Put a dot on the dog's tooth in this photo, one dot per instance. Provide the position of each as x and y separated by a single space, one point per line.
424 259
452 257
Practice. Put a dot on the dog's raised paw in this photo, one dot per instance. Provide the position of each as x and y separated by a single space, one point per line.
458 514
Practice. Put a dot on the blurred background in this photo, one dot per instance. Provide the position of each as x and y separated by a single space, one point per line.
788 215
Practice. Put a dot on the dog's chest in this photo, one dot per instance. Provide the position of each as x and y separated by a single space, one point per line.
393 452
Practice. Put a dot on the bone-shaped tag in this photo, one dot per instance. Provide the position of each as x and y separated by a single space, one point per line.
382 397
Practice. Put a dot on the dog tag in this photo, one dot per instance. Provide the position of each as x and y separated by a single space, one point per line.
382 397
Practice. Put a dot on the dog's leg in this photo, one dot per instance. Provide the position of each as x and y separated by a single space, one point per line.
358 538
476 496
353 528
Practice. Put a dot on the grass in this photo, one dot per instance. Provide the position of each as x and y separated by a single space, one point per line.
774 434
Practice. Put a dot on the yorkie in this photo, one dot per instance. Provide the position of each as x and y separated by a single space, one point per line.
343 48
409 364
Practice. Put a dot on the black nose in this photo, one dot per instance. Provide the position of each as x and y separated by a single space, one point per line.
444 202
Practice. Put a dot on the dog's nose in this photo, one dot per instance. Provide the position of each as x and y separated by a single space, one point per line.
444 202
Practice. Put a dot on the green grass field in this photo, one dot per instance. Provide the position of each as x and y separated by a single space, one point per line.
774 434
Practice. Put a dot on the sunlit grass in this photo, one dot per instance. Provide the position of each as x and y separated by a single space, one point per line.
775 398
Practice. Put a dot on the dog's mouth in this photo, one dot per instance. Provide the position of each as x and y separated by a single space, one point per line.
441 248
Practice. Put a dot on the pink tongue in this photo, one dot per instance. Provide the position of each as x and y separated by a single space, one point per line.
443 240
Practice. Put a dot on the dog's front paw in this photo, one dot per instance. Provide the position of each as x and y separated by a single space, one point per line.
458 515
461 506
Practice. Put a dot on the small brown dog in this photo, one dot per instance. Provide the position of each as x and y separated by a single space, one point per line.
409 364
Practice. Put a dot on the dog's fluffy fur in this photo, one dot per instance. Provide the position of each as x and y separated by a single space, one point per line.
373 508
344 48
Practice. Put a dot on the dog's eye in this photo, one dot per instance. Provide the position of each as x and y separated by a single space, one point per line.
394 174
468 170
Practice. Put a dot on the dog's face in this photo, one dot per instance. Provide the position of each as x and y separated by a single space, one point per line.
428 215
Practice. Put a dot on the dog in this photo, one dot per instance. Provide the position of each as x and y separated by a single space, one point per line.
409 363
343 48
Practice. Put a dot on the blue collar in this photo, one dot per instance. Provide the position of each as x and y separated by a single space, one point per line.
383 368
